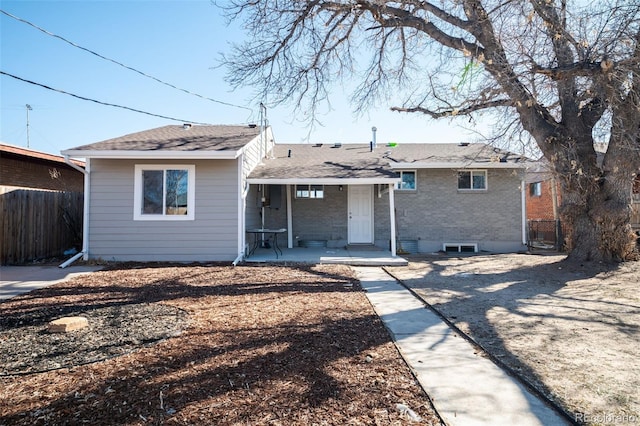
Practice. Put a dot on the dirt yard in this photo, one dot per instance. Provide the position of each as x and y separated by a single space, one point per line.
571 331
198 345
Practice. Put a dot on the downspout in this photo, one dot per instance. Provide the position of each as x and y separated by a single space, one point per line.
523 196
289 218
242 205
85 214
392 217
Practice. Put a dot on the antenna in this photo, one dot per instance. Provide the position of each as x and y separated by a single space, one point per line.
28 109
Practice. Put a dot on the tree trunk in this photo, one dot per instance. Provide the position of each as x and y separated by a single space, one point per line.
597 220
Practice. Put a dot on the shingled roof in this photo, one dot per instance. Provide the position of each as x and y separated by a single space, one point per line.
326 162
174 139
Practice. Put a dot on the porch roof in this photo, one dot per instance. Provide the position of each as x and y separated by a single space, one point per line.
321 163
357 163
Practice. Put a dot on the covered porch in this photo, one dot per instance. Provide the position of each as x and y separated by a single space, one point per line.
321 204
342 218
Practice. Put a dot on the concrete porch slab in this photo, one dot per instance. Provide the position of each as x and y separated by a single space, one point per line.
326 256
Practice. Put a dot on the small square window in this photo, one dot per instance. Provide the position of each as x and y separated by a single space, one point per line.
475 180
309 191
535 189
408 182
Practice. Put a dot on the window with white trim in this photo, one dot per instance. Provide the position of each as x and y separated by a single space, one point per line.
309 191
472 180
164 192
408 182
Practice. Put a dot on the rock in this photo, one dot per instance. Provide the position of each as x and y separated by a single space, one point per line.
66 324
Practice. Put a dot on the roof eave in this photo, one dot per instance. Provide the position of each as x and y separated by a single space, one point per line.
323 181
458 165
154 155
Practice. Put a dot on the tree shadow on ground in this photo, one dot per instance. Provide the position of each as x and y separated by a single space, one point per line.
276 363
99 290
466 293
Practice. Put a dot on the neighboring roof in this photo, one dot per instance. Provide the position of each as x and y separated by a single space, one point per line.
335 163
538 171
32 154
173 141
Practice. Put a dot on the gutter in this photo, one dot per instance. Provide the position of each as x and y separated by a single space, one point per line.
85 214
241 209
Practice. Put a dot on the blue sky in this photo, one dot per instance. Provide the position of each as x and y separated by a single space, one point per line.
178 42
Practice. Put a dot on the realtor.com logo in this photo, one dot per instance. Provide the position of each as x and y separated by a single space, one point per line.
607 418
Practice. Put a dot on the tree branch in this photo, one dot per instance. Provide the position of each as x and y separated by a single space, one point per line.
393 17
456 111
575 69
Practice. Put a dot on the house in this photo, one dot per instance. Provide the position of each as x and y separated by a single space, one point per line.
24 168
542 192
543 199
428 197
199 193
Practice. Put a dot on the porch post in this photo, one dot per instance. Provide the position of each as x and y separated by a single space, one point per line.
392 218
289 219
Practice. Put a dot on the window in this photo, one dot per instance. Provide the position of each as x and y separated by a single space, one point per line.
408 181
164 192
460 248
535 189
475 180
309 191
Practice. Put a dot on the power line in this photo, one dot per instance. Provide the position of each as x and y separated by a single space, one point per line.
121 64
99 102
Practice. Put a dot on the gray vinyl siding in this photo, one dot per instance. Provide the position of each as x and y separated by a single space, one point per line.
115 236
255 151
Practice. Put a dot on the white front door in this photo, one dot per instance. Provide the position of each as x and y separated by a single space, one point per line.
360 206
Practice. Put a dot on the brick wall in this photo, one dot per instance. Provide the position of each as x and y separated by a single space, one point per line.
40 174
541 207
437 212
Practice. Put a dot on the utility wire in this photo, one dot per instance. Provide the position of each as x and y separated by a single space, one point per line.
121 64
99 102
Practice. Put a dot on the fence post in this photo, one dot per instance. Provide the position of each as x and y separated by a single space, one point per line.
559 236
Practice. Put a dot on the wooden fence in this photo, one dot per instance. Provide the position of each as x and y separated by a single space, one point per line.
39 225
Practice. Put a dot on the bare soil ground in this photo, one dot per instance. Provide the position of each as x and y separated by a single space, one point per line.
570 330
251 345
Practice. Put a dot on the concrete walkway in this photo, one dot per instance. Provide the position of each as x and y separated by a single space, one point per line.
466 389
15 280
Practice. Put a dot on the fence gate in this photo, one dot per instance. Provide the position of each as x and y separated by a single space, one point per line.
545 235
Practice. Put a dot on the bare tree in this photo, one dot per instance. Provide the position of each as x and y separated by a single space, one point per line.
559 74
